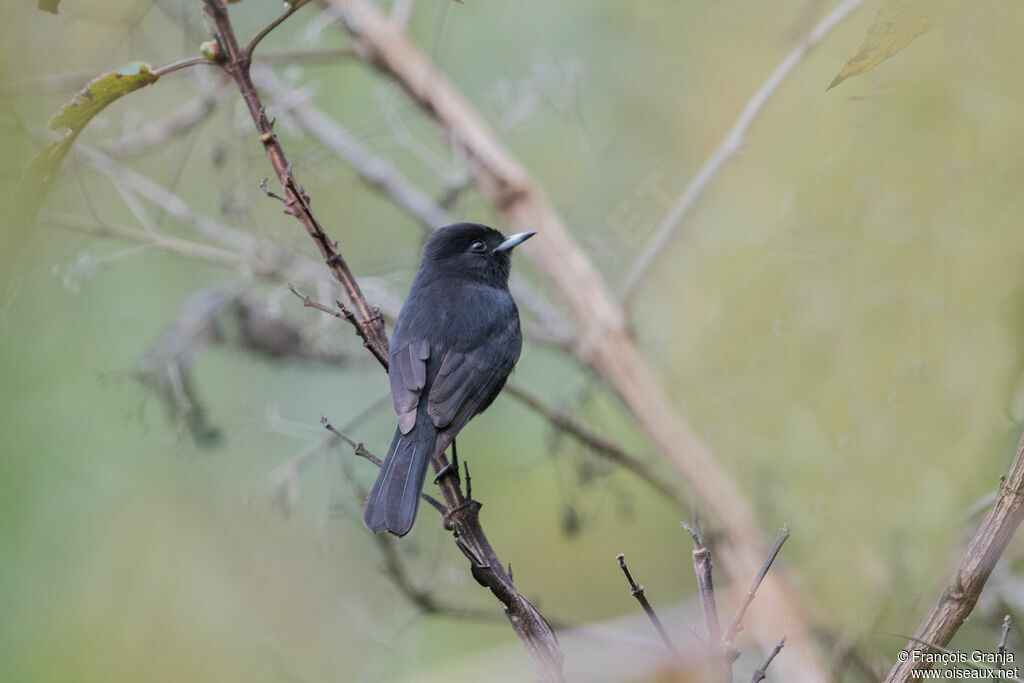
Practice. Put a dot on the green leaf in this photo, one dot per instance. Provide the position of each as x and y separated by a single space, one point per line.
100 92
48 5
896 25
75 115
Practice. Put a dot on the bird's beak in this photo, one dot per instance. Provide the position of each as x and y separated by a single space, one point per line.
514 240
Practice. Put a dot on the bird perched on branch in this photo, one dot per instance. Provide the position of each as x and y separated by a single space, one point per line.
455 342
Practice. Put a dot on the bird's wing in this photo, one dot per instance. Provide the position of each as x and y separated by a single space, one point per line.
467 382
408 375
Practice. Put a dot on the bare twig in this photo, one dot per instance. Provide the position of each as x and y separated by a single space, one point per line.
181 210
737 621
266 258
179 65
759 673
394 566
378 173
235 62
961 593
304 56
363 452
284 477
341 313
293 7
705 586
161 242
1001 648
151 135
602 338
74 80
394 569
596 443
249 264
730 145
637 591
722 653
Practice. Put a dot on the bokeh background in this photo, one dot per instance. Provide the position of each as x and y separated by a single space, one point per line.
840 318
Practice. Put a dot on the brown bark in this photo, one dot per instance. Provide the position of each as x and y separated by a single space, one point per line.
958 598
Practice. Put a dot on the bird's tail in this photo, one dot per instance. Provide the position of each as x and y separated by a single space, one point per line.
395 498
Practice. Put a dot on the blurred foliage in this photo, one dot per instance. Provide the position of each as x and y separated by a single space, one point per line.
841 317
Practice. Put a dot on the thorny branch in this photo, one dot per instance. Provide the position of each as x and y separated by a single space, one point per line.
236 63
462 514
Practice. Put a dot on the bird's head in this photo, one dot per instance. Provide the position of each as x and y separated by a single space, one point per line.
471 251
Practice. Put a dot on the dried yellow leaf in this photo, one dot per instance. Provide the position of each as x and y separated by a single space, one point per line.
896 25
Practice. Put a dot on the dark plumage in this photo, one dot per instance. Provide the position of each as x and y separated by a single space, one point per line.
455 342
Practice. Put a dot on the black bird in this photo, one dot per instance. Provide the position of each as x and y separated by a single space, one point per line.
455 342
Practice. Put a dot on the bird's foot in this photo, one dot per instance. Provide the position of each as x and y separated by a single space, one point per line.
451 468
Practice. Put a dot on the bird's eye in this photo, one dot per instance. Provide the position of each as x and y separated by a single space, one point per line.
477 246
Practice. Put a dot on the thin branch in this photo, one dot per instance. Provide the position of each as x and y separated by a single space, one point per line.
249 264
637 591
157 132
303 56
394 569
161 242
958 598
74 80
737 620
363 452
341 313
721 652
1001 648
268 258
378 173
705 586
179 65
284 477
759 674
236 63
597 444
292 9
729 146
181 210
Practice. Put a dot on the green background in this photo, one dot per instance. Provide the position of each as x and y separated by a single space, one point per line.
840 319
